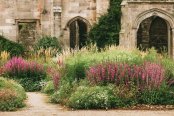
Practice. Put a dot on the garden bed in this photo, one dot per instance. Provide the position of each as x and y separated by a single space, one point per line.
114 79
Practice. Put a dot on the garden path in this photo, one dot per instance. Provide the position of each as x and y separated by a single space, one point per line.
38 105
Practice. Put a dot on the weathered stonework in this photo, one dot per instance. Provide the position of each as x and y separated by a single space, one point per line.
134 12
51 17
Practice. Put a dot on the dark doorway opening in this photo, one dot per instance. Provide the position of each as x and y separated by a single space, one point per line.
78 34
153 32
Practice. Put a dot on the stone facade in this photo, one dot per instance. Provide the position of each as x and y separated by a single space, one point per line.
48 17
146 18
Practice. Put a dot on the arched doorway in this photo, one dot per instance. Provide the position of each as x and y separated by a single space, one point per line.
154 32
78 33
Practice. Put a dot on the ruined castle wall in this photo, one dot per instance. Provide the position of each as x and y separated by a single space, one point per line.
12 11
131 11
48 21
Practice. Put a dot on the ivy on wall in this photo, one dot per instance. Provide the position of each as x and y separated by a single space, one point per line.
106 31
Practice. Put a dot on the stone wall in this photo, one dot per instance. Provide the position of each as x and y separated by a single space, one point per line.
51 16
136 11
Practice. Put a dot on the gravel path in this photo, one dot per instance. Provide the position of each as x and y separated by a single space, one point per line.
38 105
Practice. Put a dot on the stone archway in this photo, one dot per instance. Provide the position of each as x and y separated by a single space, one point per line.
167 25
78 28
154 32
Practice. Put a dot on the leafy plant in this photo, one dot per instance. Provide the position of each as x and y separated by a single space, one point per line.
12 95
63 94
48 42
93 98
168 64
104 32
163 96
49 88
15 49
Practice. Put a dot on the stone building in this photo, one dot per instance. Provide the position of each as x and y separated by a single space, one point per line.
69 20
148 23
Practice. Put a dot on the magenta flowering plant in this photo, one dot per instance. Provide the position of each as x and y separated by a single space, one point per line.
153 74
148 75
17 67
28 73
55 75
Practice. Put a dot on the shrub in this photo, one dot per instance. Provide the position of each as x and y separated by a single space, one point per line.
15 49
29 74
127 95
162 96
30 85
49 88
12 95
150 75
93 98
104 32
63 94
48 42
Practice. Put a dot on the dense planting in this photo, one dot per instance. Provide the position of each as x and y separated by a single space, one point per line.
12 95
148 75
88 79
48 42
29 74
114 78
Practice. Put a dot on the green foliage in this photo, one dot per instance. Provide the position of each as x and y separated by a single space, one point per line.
152 56
76 65
102 97
48 42
163 96
49 88
12 95
15 49
29 84
63 94
93 98
106 31
168 64
127 95
77 92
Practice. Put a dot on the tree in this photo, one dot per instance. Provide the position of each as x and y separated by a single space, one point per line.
106 31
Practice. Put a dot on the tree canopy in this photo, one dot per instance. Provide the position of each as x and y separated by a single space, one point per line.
106 31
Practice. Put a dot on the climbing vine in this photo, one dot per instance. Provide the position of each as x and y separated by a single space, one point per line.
106 31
